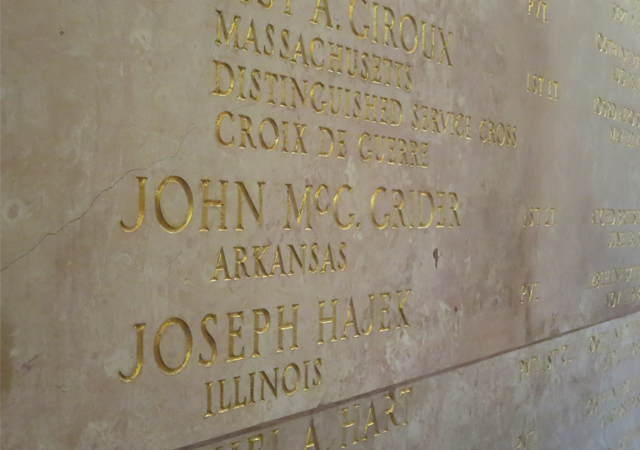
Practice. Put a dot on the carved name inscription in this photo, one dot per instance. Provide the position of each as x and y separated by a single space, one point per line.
320 224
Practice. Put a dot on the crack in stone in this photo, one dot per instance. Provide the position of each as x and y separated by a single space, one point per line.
81 216
172 261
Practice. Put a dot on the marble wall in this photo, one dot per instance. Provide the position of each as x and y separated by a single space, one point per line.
315 224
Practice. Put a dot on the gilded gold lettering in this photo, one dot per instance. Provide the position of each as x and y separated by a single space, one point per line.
258 330
212 203
235 333
141 204
283 326
210 340
327 320
156 345
160 216
139 355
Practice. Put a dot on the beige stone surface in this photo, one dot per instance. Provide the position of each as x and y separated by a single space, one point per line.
95 95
